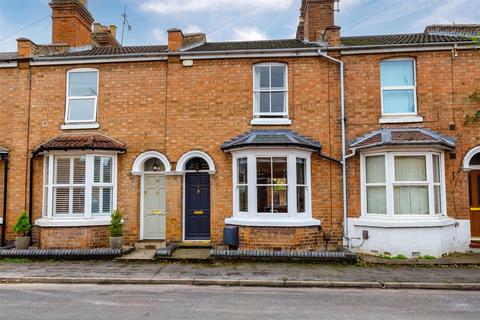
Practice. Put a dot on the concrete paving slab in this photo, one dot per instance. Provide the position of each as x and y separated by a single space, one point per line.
139 255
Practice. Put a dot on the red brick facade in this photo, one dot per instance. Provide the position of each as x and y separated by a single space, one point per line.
165 106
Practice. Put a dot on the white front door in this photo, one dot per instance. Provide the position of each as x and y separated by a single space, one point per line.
154 207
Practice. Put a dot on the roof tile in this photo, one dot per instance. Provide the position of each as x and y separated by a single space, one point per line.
107 51
399 39
271 138
253 45
402 136
90 141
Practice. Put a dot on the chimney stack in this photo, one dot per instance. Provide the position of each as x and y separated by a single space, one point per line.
175 39
317 22
71 22
104 36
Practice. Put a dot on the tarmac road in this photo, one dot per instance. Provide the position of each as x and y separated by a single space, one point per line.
84 301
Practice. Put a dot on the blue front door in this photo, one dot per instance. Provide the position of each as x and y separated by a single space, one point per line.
197 206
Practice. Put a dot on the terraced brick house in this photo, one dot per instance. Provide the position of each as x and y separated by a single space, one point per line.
313 143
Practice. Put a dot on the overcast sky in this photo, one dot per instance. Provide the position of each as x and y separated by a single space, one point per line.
235 19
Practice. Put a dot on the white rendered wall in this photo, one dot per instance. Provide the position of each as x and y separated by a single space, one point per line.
432 241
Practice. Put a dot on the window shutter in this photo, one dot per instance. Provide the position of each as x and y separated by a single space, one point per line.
63 171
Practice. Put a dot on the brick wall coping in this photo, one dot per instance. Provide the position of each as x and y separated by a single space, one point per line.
277 222
404 222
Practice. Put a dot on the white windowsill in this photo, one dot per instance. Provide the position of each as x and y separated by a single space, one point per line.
79 126
270 122
279 222
73 222
404 222
400 119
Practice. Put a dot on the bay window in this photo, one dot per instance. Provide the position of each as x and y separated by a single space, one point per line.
82 96
79 186
271 187
403 183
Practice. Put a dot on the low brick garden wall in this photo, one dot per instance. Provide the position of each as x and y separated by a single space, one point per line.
71 237
280 238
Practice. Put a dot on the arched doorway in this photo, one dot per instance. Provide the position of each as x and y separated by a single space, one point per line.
152 166
471 163
197 167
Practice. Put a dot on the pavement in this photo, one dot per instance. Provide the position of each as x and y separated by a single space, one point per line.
112 302
241 274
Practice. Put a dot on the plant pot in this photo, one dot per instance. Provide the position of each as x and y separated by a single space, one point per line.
116 242
22 243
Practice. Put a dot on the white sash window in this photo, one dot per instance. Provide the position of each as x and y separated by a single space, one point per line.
82 96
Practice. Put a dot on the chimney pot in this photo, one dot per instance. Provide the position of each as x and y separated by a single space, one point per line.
113 30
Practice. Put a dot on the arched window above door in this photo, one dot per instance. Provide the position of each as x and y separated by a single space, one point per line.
472 159
151 161
153 165
196 164
196 161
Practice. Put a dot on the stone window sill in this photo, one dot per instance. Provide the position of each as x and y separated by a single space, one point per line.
280 222
404 222
73 222
401 119
80 126
270 122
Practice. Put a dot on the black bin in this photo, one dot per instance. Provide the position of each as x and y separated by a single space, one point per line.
230 236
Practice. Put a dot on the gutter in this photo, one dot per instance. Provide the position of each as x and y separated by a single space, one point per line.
344 156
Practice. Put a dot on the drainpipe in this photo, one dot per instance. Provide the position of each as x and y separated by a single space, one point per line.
5 189
344 156
30 192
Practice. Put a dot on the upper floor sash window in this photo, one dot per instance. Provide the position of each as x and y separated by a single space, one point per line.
82 96
270 90
399 97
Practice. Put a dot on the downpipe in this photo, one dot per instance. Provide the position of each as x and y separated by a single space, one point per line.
5 198
344 155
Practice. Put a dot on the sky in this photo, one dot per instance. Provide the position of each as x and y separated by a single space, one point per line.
226 20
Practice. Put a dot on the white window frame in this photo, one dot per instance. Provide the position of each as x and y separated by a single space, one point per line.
68 97
70 186
400 88
391 183
255 218
237 185
101 186
270 115
49 161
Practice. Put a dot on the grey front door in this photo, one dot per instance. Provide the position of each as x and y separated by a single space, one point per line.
154 207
